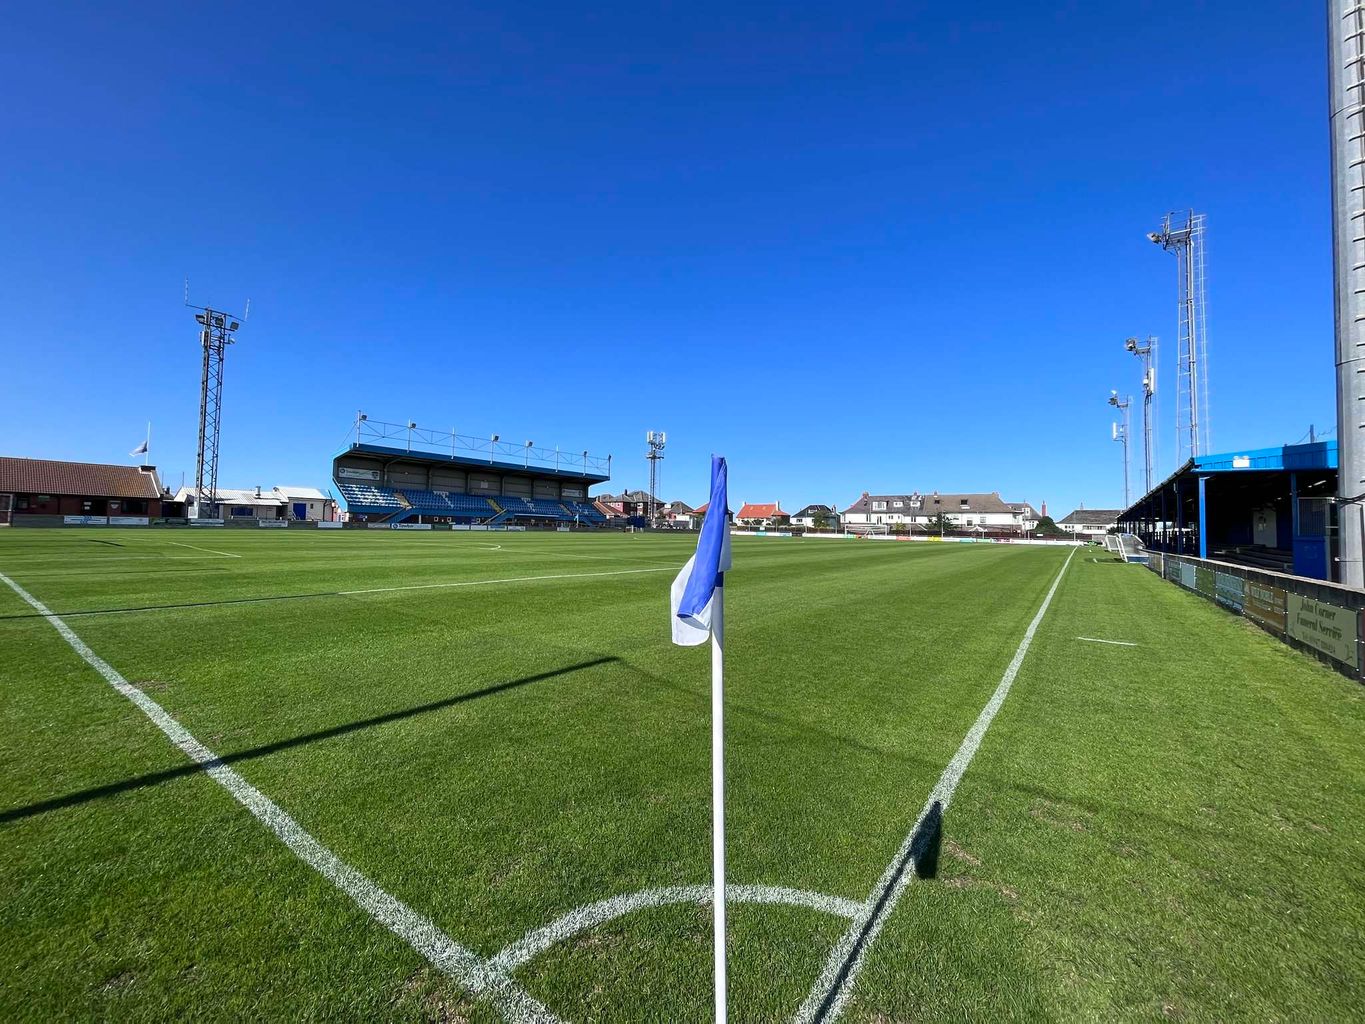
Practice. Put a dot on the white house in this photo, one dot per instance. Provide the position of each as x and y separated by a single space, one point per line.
915 512
808 515
1090 522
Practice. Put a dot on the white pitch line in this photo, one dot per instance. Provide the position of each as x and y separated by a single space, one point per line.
1097 640
196 547
464 965
509 579
580 919
828 996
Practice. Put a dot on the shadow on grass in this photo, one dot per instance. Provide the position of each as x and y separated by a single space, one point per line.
922 857
155 778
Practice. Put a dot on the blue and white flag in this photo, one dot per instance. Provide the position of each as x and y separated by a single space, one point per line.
694 594
139 450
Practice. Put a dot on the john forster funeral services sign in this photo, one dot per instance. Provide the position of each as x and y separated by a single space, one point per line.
1324 627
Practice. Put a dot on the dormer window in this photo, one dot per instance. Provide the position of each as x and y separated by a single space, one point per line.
879 506
898 504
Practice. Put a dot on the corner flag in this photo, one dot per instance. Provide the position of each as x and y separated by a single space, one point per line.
698 606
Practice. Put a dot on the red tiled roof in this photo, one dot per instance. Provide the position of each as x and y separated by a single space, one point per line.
760 511
87 479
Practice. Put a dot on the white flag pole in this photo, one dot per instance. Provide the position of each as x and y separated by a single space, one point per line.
148 445
718 789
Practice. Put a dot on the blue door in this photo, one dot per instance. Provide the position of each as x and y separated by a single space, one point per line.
300 510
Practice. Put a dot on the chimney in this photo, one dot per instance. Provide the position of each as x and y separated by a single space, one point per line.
1042 510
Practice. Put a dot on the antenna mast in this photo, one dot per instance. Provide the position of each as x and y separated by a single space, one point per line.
1120 433
1147 353
1192 369
216 334
656 440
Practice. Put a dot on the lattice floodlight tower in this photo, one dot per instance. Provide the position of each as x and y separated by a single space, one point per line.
656 439
1147 353
215 335
1346 82
1120 433
1192 360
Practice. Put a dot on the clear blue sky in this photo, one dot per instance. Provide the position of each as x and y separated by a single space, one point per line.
849 246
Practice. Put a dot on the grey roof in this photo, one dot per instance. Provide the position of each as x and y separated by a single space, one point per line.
933 502
1093 517
811 510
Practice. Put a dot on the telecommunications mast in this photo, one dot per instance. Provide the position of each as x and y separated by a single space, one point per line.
1120 433
1147 353
215 335
656 439
1192 359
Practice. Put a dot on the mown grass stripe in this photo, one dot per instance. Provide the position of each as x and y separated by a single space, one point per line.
418 931
831 990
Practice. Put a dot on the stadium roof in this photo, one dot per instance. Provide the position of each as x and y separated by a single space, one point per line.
568 467
759 510
1285 458
85 479
1092 517
934 502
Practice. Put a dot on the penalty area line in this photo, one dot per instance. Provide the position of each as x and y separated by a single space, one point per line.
465 966
831 990
1097 640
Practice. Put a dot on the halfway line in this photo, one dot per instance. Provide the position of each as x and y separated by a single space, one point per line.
465 966
509 579
196 547
832 989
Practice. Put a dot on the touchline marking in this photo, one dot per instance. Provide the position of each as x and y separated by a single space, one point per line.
1097 640
196 547
470 970
830 993
510 579
580 919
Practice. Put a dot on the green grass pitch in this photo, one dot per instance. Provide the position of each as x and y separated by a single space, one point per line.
1171 830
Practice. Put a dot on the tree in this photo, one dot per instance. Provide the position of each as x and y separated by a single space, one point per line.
938 523
1047 528
820 520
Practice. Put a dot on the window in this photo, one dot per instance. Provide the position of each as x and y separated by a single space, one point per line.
965 504
898 504
879 506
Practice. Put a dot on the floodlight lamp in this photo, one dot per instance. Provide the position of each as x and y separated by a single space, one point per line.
529 443
1152 236
200 318
585 455
496 438
234 326
363 416
1131 344
411 425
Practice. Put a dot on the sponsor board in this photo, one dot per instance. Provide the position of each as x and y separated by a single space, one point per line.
561 529
206 522
462 526
1203 581
329 525
1324 627
129 521
1157 562
572 492
511 529
410 526
1229 590
1266 605
347 473
1187 577
1173 570
86 521
480 527
273 524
